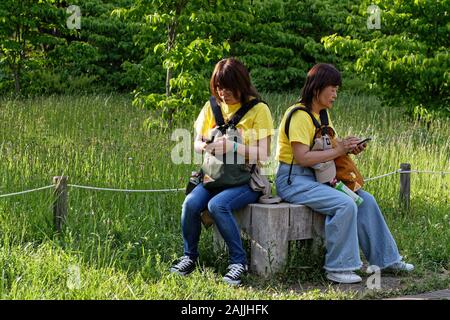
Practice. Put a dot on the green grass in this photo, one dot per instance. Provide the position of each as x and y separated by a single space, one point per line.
124 243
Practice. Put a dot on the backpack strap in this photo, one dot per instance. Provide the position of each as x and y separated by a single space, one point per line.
291 113
237 117
218 117
323 124
324 121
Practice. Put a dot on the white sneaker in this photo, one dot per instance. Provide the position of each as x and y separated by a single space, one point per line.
344 277
401 266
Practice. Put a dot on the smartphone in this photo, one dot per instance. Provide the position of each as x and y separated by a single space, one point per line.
364 141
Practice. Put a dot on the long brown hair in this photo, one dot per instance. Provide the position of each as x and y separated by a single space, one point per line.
231 74
319 77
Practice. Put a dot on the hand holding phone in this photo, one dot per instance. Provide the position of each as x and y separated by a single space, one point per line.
360 146
364 141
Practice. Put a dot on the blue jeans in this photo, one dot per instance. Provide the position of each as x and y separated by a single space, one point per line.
346 224
220 205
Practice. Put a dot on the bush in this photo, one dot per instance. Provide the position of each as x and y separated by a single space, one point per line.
407 60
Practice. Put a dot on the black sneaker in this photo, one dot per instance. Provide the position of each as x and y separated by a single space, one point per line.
235 271
183 266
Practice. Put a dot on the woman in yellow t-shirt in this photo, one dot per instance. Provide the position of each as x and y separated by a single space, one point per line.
346 225
231 86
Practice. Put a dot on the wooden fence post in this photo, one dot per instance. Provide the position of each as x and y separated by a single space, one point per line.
60 203
405 185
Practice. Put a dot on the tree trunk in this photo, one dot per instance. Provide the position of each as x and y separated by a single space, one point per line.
172 35
171 38
171 30
16 80
168 77
18 58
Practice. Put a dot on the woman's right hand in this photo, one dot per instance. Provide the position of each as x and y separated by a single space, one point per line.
200 144
344 146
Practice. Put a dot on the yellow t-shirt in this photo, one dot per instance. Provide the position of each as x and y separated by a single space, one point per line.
301 130
256 124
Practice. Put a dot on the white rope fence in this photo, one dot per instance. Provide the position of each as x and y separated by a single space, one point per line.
124 190
425 171
404 171
27 191
60 192
183 189
382 176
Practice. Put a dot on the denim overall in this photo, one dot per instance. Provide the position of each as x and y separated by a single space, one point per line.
347 226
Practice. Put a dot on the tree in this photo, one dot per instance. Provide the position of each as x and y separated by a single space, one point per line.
25 29
187 52
407 59
94 56
282 39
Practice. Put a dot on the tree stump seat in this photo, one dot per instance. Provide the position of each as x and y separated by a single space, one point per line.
270 227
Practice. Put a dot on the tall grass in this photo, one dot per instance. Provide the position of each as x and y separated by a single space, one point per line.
123 243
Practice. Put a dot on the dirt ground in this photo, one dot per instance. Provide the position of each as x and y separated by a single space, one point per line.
389 285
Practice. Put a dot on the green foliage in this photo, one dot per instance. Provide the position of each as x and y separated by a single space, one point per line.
48 57
112 38
164 51
407 60
282 40
187 52
97 51
25 28
189 88
68 69
278 41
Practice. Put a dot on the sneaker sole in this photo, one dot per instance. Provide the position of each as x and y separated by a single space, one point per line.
180 273
343 281
232 282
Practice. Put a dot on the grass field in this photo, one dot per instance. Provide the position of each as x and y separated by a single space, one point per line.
120 245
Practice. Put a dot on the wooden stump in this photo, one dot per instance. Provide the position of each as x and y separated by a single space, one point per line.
270 227
269 237
60 203
405 185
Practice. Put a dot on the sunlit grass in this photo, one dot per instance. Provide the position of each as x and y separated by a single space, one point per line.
124 243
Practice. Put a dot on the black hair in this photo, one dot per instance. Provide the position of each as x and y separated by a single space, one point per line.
319 77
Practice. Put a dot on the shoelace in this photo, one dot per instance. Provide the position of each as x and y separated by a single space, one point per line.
235 270
185 261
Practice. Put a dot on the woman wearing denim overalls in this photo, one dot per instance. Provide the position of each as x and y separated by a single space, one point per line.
231 86
347 226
